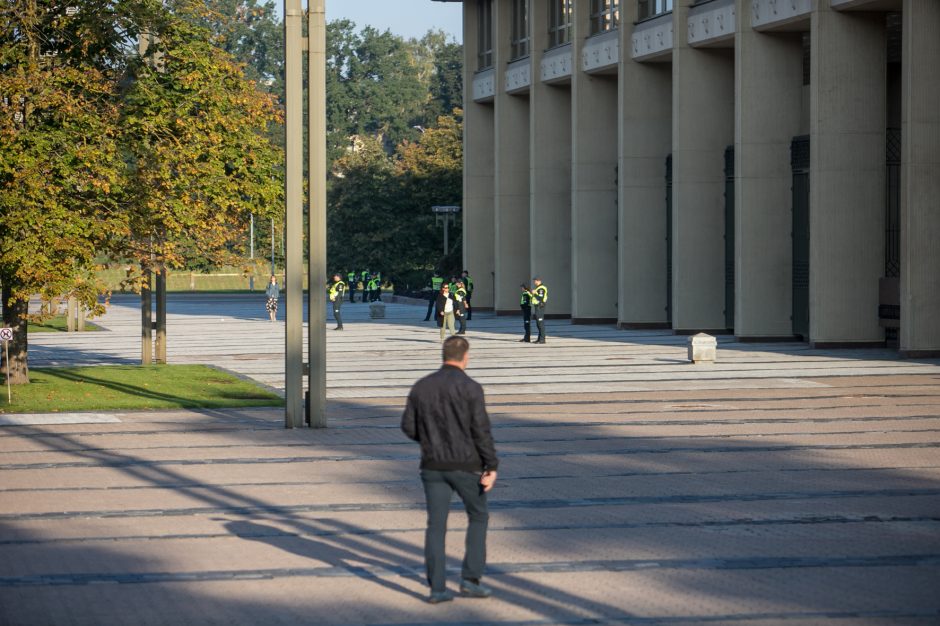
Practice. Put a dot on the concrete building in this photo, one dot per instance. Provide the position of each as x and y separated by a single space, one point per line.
766 168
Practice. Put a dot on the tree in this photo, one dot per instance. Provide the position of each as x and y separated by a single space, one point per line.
379 205
373 88
60 171
195 139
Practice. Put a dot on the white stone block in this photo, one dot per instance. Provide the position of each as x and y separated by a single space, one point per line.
703 348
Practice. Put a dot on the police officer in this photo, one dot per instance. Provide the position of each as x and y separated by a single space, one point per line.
539 298
351 286
463 307
468 283
437 281
337 294
377 287
525 303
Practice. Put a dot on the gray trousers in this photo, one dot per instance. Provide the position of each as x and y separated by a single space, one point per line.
439 487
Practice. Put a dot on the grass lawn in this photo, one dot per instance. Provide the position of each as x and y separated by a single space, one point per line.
57 324
129 387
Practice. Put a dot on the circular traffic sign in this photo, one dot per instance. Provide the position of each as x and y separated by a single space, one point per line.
6 334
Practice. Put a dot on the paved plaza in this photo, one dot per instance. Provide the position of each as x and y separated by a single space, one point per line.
779 485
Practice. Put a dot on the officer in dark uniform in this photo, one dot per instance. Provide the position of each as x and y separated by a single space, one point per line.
525 303
539 299
337 295
463 307
437 281
468 284
351 286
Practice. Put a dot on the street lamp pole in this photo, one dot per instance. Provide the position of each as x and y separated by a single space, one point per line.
293 195
447 213
316 234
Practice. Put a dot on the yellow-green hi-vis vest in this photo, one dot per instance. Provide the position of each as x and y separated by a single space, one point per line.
337 289
436 282
540 296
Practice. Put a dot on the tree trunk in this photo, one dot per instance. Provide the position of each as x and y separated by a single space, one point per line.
14 316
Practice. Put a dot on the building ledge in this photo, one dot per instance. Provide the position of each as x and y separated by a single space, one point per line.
712 24
781 15
601 53
652 39
555 66
484 85
518 76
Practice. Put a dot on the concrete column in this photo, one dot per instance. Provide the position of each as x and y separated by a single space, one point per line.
593 185
847 175
550 173
645 95
512 172
703 126
920 180
768 109
478 174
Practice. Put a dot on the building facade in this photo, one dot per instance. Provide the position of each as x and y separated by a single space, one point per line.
760 167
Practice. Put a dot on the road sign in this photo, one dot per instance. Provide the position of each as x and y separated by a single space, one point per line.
6 334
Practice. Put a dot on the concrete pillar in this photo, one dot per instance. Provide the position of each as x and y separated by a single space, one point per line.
512 173
847 175
920 180
478 174
593 185
550 173
645 95
768 109
703 127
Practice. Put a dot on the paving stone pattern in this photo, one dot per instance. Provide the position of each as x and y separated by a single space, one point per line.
781 485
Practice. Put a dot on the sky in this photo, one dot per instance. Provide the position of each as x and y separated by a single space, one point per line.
408 18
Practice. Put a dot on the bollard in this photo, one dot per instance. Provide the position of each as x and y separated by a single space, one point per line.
377 310
703 348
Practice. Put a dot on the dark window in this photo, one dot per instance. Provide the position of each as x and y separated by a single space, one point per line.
559 26
652 8
605 15
519 43
484 34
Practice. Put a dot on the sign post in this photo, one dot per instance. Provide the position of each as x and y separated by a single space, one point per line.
6 335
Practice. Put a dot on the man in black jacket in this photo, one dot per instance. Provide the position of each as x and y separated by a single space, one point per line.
446 414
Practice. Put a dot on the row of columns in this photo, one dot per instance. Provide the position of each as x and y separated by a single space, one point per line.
568 180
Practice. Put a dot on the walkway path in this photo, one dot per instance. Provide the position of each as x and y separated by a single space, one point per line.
781 486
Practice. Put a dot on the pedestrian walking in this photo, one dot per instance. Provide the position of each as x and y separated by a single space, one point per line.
337 295
463 307
445 307
446 414
273 292
436 282
525 303
539 299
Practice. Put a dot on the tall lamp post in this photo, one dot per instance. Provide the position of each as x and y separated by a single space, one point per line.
314 414
446 213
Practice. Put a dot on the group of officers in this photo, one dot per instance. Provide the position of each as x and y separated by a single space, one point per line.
369 282
449 301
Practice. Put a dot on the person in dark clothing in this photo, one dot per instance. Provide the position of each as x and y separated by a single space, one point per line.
525 303
446 414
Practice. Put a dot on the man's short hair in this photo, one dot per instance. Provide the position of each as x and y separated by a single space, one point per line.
455 348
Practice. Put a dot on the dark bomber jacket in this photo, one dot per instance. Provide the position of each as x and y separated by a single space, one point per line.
446 414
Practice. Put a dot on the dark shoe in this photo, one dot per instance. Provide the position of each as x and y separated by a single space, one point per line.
540 341
525 341
437 597
463 332
338 328
470 589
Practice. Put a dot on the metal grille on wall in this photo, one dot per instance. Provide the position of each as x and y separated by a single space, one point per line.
729 237
799 162
669 239
893 204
